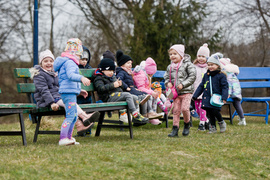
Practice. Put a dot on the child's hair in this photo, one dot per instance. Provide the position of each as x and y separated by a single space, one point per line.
44 54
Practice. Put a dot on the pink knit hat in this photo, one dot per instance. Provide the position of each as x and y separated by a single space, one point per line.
44 54
150 66
180 48
204 50
225 61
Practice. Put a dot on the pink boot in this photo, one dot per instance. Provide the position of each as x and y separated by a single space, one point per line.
81 129
89 118
155 121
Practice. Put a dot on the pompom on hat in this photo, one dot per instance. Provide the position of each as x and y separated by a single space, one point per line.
106 64
214 58
150 66
122 58
44 54
74 46
180 49
204 50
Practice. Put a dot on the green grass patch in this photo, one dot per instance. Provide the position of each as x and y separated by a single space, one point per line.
239 153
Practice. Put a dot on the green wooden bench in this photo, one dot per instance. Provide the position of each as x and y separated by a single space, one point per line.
11 109
37 113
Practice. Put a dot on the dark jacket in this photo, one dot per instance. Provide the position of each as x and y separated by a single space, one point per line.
47 87
104 85
219 86
128 81
87 66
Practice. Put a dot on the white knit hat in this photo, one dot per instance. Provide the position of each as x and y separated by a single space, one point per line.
204 50
44 54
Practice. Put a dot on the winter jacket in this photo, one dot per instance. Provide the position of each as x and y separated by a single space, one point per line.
232 71
127 81
46 84
186 76
104 85
200 71
219 86
141 80
69 75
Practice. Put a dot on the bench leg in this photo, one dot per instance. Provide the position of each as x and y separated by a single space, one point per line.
22 129
37 129
267 112
130 125
100 121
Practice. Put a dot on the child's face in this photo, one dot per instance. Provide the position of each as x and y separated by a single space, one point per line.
212 66
83 62
174 56
108 73
201 59
47 64
128 64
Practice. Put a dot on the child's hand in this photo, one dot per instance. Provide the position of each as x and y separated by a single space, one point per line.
180 86
85 81
224 101
84 93
154 94
169 85
128 89
116 84
54 106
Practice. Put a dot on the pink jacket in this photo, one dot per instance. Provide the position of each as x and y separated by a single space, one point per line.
141 80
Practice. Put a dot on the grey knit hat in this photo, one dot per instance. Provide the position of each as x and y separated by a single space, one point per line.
214 58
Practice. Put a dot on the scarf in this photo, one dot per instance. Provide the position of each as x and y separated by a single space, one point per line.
175 65
128 70
201 65
70 56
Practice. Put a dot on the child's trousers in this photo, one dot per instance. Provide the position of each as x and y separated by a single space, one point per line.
181 104
70 101
214 114
132 100
199 110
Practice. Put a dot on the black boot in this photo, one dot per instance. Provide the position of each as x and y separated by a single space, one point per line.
186 129
174 132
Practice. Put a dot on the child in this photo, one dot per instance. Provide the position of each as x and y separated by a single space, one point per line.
183 73
70 86
124 72
219 85
109 89
142 80
201 68
232 71
46 93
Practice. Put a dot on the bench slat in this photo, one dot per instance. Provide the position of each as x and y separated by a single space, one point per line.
22 73
17 105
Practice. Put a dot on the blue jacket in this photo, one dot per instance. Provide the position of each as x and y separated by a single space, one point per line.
127 81
69 75
219 86
47 86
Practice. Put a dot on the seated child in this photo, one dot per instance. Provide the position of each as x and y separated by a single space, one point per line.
110 89
47 87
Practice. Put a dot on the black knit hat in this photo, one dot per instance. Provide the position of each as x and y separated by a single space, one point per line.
109 54
122 58
106 64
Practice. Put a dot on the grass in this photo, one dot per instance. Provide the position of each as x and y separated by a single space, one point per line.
240 153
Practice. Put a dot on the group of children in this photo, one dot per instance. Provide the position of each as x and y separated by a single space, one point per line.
58 83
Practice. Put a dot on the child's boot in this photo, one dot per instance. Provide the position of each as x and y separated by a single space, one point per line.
144 99
212 129
222 126
123 116
155 121
201 127
66 142
174 132
89 118
81 129
139 120
186 129
242 121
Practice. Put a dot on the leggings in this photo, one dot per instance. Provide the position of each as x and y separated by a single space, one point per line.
238 107
213 114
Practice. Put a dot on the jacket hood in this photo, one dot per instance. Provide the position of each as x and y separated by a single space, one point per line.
58 63
187 58
87 66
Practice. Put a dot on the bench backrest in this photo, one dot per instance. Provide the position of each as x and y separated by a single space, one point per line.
249 77
29 87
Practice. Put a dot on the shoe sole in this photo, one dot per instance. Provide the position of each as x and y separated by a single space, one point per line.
155 117
145 100
93 118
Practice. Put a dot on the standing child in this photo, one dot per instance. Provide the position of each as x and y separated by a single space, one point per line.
201 68
219 86
183 73
142 79
70 86
232 71
109 89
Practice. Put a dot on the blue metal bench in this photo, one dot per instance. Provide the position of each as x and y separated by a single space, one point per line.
249 77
